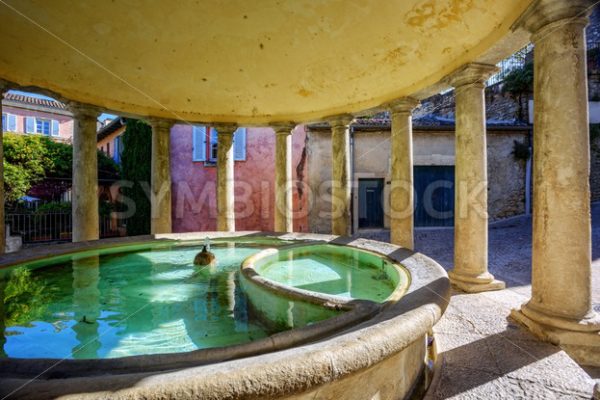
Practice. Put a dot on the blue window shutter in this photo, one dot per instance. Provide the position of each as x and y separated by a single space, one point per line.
12 123
239 144
116 151
4 122
29 125
54 129
199 143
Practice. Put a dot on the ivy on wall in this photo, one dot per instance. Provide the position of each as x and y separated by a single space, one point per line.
519 84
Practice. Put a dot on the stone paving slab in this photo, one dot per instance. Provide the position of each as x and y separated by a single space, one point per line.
486 355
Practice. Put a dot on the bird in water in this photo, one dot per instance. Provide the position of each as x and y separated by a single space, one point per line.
205 257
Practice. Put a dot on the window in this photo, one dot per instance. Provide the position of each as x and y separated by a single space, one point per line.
213 145
239 145
199 143
55 128
108 149
43 126
9 122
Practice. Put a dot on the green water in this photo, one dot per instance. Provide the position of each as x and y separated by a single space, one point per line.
335 270
149 300
143 302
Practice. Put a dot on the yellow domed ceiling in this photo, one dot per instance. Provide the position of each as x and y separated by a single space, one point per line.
249 61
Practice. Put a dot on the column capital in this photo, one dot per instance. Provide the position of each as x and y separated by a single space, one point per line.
83 110
340 120
283 128
225 129
161 123
472 73
542 13
403 105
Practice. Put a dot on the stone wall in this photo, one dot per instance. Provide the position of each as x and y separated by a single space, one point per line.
499 106
592 32
595 169
318 160
506 175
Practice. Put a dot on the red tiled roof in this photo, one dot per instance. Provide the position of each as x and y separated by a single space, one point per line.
20 98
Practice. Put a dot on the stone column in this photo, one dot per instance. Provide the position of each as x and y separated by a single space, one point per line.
225 182
2 222
401 190
160 198
86 222
340 177
470 272
284 221
560 308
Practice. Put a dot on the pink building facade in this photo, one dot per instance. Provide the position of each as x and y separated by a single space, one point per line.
31 115
193 172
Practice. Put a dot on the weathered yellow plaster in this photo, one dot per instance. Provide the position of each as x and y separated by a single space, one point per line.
240 61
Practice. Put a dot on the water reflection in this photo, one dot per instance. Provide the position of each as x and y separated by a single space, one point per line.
86 306
123 304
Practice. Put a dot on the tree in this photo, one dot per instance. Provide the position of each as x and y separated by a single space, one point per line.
25 162
38 161
135 166
519 84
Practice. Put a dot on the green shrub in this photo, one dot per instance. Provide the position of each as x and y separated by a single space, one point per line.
521 151
54 207
34 159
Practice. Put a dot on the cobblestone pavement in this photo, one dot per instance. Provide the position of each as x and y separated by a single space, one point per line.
509 256
486 355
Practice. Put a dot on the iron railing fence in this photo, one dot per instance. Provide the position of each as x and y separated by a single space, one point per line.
53 226
517 60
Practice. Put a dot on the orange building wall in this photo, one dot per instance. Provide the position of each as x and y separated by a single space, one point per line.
194 183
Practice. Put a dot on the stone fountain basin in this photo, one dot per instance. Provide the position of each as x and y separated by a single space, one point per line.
370 351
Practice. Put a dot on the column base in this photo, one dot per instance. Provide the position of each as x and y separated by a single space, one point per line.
581 342
475 284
